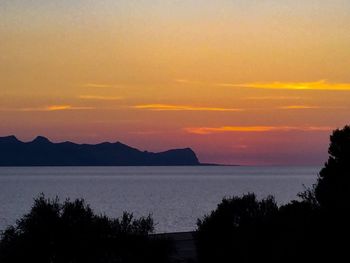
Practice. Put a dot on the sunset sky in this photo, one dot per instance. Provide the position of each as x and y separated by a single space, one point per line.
260 82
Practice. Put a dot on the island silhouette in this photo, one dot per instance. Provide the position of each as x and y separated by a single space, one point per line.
42 152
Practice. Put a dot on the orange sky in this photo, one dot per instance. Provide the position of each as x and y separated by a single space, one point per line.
249 82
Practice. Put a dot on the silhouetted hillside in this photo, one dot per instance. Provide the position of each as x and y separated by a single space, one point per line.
42 152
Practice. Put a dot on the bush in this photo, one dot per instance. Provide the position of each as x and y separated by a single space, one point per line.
237 225
244 229
54 232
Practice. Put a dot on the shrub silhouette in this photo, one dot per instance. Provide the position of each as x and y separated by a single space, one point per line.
237 225
244 229
71 232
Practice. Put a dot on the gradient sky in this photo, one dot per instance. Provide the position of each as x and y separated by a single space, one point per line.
240 82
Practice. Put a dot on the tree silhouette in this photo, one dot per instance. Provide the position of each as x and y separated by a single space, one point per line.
332 188
70 232
235 228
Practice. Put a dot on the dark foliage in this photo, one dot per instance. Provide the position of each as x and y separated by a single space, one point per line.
243 229
235 226
332 190
70 232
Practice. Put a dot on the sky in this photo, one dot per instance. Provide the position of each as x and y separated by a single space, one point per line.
259 82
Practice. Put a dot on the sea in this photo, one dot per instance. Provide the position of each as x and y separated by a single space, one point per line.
176 197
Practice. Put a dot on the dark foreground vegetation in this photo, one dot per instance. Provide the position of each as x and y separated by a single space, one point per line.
70 232
314 228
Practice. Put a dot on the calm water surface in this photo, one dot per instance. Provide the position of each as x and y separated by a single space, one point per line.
175 196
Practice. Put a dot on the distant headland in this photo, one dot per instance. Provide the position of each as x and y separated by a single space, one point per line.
42 152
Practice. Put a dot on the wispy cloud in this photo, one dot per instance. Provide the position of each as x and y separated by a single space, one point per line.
210 130
48 108
272 98
278 85
57 107
187 81
144 132
311 107
94 97
169 107
182 81
99 85
299 107
317 85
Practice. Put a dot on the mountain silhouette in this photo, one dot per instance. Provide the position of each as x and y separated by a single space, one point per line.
42 152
